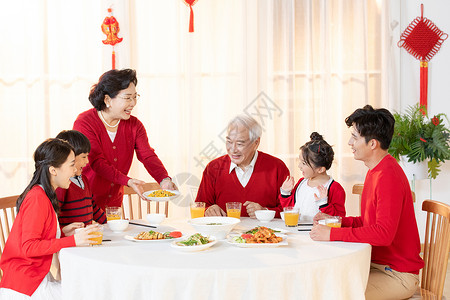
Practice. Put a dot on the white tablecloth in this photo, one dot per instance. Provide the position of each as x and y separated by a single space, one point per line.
304 269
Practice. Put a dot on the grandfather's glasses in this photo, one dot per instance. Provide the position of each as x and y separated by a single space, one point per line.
129 98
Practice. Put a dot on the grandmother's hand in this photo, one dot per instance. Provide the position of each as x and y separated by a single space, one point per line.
137 185
167 184
320 233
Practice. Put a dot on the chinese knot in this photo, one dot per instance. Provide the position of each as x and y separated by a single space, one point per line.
110 27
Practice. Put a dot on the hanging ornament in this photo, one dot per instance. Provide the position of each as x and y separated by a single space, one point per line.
422 39
190 3
110 27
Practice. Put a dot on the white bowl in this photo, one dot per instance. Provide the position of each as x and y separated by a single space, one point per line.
117 225
155 219
218 227
265 215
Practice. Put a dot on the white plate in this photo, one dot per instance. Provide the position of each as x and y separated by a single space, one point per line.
131 238
161 199
194 248
254 245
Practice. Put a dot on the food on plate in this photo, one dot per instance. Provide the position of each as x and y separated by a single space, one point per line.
195 240
154 235
161 193
258 235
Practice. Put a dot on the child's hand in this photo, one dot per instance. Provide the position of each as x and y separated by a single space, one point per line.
83 236
322 193
288 184
70 229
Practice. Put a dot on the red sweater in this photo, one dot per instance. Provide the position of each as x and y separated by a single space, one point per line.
336 199
28 252
218 186
387 220
77 205
109 162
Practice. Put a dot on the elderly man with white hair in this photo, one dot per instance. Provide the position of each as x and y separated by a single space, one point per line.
244 175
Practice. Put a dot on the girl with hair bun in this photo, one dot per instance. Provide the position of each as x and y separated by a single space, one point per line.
316 191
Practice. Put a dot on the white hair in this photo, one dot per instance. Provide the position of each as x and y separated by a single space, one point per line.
253 127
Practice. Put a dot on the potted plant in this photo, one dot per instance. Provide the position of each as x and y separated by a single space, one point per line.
419 138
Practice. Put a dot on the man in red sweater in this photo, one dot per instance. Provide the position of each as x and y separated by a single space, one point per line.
387 220
244 175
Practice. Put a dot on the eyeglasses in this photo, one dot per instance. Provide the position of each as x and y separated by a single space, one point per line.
129 98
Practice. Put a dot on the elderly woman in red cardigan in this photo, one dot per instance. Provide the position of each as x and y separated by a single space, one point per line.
115 135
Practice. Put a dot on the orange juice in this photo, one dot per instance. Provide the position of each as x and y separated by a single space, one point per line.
234 213
291 218
197 212
112 217
335 225
97 240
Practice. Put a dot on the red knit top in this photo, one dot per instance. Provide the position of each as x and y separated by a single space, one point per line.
387 220
109 162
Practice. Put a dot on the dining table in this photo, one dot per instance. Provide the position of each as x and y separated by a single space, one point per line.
300 268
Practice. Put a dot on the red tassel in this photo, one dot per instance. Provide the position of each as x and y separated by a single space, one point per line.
191 20
113 60
424 84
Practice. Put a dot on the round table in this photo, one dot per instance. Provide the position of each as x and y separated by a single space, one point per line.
304 269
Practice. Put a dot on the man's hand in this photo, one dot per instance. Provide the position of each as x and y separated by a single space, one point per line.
215 210
251 207
320 233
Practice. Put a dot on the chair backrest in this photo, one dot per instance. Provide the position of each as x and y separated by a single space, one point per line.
8 207
135 202
436 247
358 188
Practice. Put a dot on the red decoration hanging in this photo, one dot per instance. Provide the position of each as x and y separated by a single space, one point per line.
190 3
110 27
422 39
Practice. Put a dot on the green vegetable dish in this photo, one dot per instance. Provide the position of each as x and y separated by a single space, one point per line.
254 230
195 240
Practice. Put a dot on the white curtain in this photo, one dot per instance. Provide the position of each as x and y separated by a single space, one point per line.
296 66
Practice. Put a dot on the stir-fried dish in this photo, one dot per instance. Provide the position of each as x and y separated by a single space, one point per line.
154 235
160 193
258 235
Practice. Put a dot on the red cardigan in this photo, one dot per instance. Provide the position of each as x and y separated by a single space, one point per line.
336 199
28 252
218 186
110 162
77 205
387 220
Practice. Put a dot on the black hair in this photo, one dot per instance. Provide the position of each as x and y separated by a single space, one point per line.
52 152
317 152
79 141
373 123
111 83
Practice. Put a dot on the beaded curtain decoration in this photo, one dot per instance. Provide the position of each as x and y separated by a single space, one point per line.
111 28
422 39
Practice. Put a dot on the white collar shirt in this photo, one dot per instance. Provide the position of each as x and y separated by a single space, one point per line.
244 176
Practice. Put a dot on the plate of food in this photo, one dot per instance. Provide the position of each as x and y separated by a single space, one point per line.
154 236
262 237
195 242
161 195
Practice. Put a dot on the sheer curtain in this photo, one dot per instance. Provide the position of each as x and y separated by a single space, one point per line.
296 66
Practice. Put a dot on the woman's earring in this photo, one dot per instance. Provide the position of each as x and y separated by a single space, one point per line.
108 106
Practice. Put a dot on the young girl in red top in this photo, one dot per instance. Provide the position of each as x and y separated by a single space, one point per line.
34 237
316 191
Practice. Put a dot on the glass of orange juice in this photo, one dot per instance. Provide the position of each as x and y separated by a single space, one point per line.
291 215
97 240
197 210
234 209
113 213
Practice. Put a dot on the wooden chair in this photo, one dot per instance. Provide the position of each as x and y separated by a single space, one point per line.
8 206
436 248
135 202
358 188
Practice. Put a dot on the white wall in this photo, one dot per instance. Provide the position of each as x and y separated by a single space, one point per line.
438 85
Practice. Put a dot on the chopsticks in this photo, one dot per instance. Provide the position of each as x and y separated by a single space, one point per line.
306 224
305 229
142 225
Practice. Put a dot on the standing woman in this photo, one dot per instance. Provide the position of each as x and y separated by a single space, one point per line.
34 237
115 135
